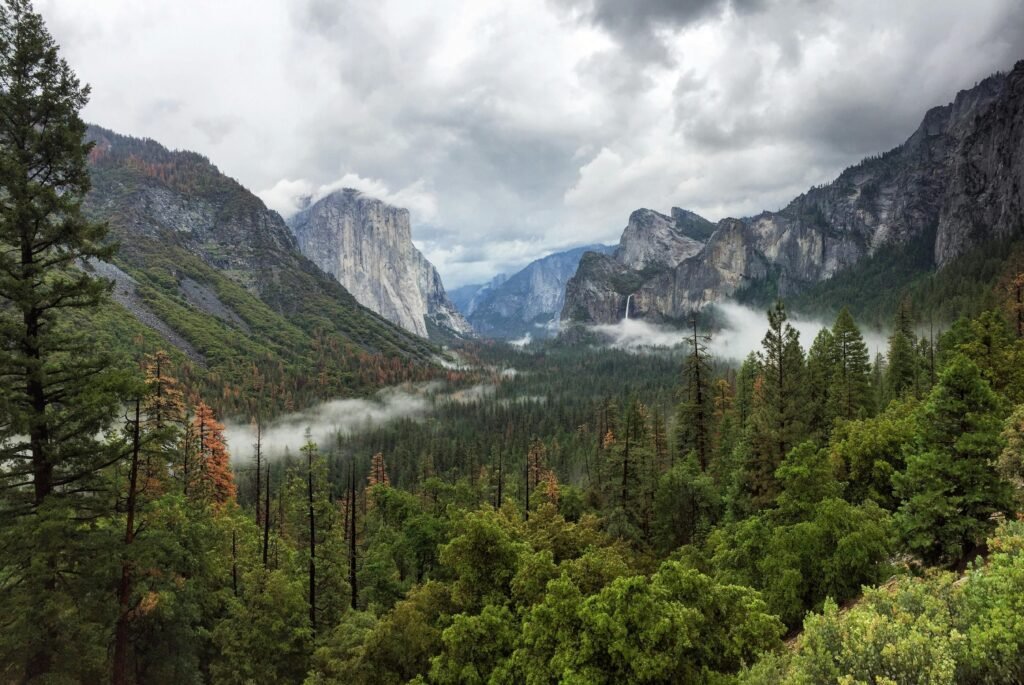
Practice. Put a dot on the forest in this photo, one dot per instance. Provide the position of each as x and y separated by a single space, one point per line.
811 514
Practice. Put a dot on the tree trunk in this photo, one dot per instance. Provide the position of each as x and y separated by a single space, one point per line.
352 535
124 588
312 542
266 519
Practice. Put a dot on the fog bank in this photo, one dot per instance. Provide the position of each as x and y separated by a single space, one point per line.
324 421
741 329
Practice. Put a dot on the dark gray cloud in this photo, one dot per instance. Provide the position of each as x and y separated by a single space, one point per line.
641 25
513 129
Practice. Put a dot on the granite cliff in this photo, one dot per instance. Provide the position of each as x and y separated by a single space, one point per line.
367 246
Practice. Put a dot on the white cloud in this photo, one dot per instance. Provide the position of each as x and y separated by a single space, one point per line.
740 330
289 196
324 422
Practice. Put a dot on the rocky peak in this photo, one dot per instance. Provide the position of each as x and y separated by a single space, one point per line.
366 244
692 225
652 239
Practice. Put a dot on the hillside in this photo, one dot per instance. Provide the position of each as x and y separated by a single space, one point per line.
211 271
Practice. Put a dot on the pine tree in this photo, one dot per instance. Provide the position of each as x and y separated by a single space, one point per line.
310 451
350 535
725 418
257 446
693 424
850 385
748 374
951 489
378 471
902 357
550 489
164 403
218 482
821 369
124 589
163 413
777 421
878 376
57 393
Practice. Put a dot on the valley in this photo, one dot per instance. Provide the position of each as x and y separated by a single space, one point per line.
248 435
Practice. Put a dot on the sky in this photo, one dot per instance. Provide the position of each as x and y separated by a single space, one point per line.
514 129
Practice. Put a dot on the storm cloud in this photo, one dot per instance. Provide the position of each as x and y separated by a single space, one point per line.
511 130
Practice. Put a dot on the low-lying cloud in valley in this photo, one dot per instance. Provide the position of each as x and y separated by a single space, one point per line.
740 331
327 420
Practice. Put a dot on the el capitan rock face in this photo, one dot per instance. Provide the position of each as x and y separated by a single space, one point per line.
956 183
367 246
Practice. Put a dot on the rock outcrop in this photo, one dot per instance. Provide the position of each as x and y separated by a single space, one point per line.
956 183
367 246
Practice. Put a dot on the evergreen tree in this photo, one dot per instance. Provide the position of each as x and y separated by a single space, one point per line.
1011 460
950 489
311 453
878 377
163 413
750 371
57 393
822 363
693 424
216 477
850 386
378 471
902 358
780 395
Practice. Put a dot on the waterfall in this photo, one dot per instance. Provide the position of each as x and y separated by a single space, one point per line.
628 300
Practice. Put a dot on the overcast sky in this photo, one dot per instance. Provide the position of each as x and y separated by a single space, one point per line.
512 129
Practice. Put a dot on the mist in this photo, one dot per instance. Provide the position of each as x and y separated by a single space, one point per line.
324 421
348 416
740 332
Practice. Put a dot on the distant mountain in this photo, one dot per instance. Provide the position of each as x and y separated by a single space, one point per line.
956 184
467 297
207 268
367 246
528 301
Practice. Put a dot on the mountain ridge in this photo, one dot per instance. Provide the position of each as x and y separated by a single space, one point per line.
958 178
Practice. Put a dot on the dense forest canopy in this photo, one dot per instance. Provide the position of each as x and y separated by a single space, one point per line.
814 514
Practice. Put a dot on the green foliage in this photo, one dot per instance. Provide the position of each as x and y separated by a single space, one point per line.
265 637
676 626
481 557
849 394
950 489
777 420
812 547
934 630
866 454
687 504
475 646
